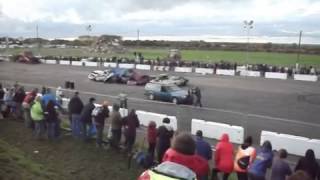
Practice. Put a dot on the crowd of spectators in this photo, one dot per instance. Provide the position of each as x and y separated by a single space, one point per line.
170 155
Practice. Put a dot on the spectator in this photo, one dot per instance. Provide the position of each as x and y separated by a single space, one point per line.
17 100
309 164
8 101
27 102
116 125
281 168
245 155
164 134
203 149
49 96
37 117
75 107
51 117
131 122
86 118
1 100
299 175
257 170
99 120
182 152
152 138
223 158
197 93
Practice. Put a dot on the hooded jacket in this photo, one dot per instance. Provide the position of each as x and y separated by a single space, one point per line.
263 161
194 162
75 105
309 165
224 155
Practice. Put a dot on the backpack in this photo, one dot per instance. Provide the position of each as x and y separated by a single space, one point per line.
96 111
243 162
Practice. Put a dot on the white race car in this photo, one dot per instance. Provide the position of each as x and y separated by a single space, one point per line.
100 75
167 79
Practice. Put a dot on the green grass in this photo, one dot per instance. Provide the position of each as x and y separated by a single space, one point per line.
198 55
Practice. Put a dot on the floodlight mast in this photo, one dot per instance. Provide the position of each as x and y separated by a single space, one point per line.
248 25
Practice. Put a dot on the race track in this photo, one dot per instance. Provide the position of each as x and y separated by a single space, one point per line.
285 106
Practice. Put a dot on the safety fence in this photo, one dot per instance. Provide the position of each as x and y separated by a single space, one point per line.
241 70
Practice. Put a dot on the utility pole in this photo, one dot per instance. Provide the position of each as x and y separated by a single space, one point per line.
138 37
38 40
248 25
299 48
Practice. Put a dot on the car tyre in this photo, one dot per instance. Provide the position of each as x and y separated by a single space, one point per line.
175 101
151 96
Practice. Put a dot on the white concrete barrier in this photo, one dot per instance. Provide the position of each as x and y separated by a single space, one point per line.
126 66
250 73
42 60
146 117
226 72
295 145
183 69
76 63
62 62
305 77
204 70
143 67
110 65
51 62
91 64
65 102
276 75
161 68
215 130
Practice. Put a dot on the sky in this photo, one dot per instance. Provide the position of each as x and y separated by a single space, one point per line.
277 21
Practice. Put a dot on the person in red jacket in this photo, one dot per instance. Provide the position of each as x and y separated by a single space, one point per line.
152 138
182 152
223 158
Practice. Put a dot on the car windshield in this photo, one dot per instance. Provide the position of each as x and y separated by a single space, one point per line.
172 88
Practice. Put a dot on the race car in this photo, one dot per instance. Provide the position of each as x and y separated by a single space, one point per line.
167 79
119 75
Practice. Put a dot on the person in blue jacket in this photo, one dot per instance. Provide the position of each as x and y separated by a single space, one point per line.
263 161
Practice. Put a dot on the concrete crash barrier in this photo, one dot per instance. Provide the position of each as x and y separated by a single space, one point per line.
225 72
62 62
41 60
183 69
204 71
91 64
76 63
65 102
126 66
305 77
51 62
143 67
295 145
111 65
250 73
276 75
215 130
146 117
161 68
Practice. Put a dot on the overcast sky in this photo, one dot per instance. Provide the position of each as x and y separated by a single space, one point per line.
212 20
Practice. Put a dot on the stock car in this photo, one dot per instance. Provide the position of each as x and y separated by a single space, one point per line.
119 75
168 79
168 93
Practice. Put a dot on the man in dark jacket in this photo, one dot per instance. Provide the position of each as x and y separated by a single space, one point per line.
281 168
86 118
116 125
131 123
99 121
197 93
203 149
164 133
309 164
18 99
75 107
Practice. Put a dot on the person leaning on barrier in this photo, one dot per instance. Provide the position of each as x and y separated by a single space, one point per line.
164 134
86 118
280 167
309 164
75 107
244 157
99 114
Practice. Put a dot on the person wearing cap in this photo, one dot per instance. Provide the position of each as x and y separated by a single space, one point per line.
203 149
75 107
164 134
86 118
99 121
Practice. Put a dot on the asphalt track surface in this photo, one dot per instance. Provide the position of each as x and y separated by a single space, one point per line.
284 106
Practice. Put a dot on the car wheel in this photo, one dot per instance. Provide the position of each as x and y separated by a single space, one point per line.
151 97
175 101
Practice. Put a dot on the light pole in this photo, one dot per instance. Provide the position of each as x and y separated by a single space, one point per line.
248 25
